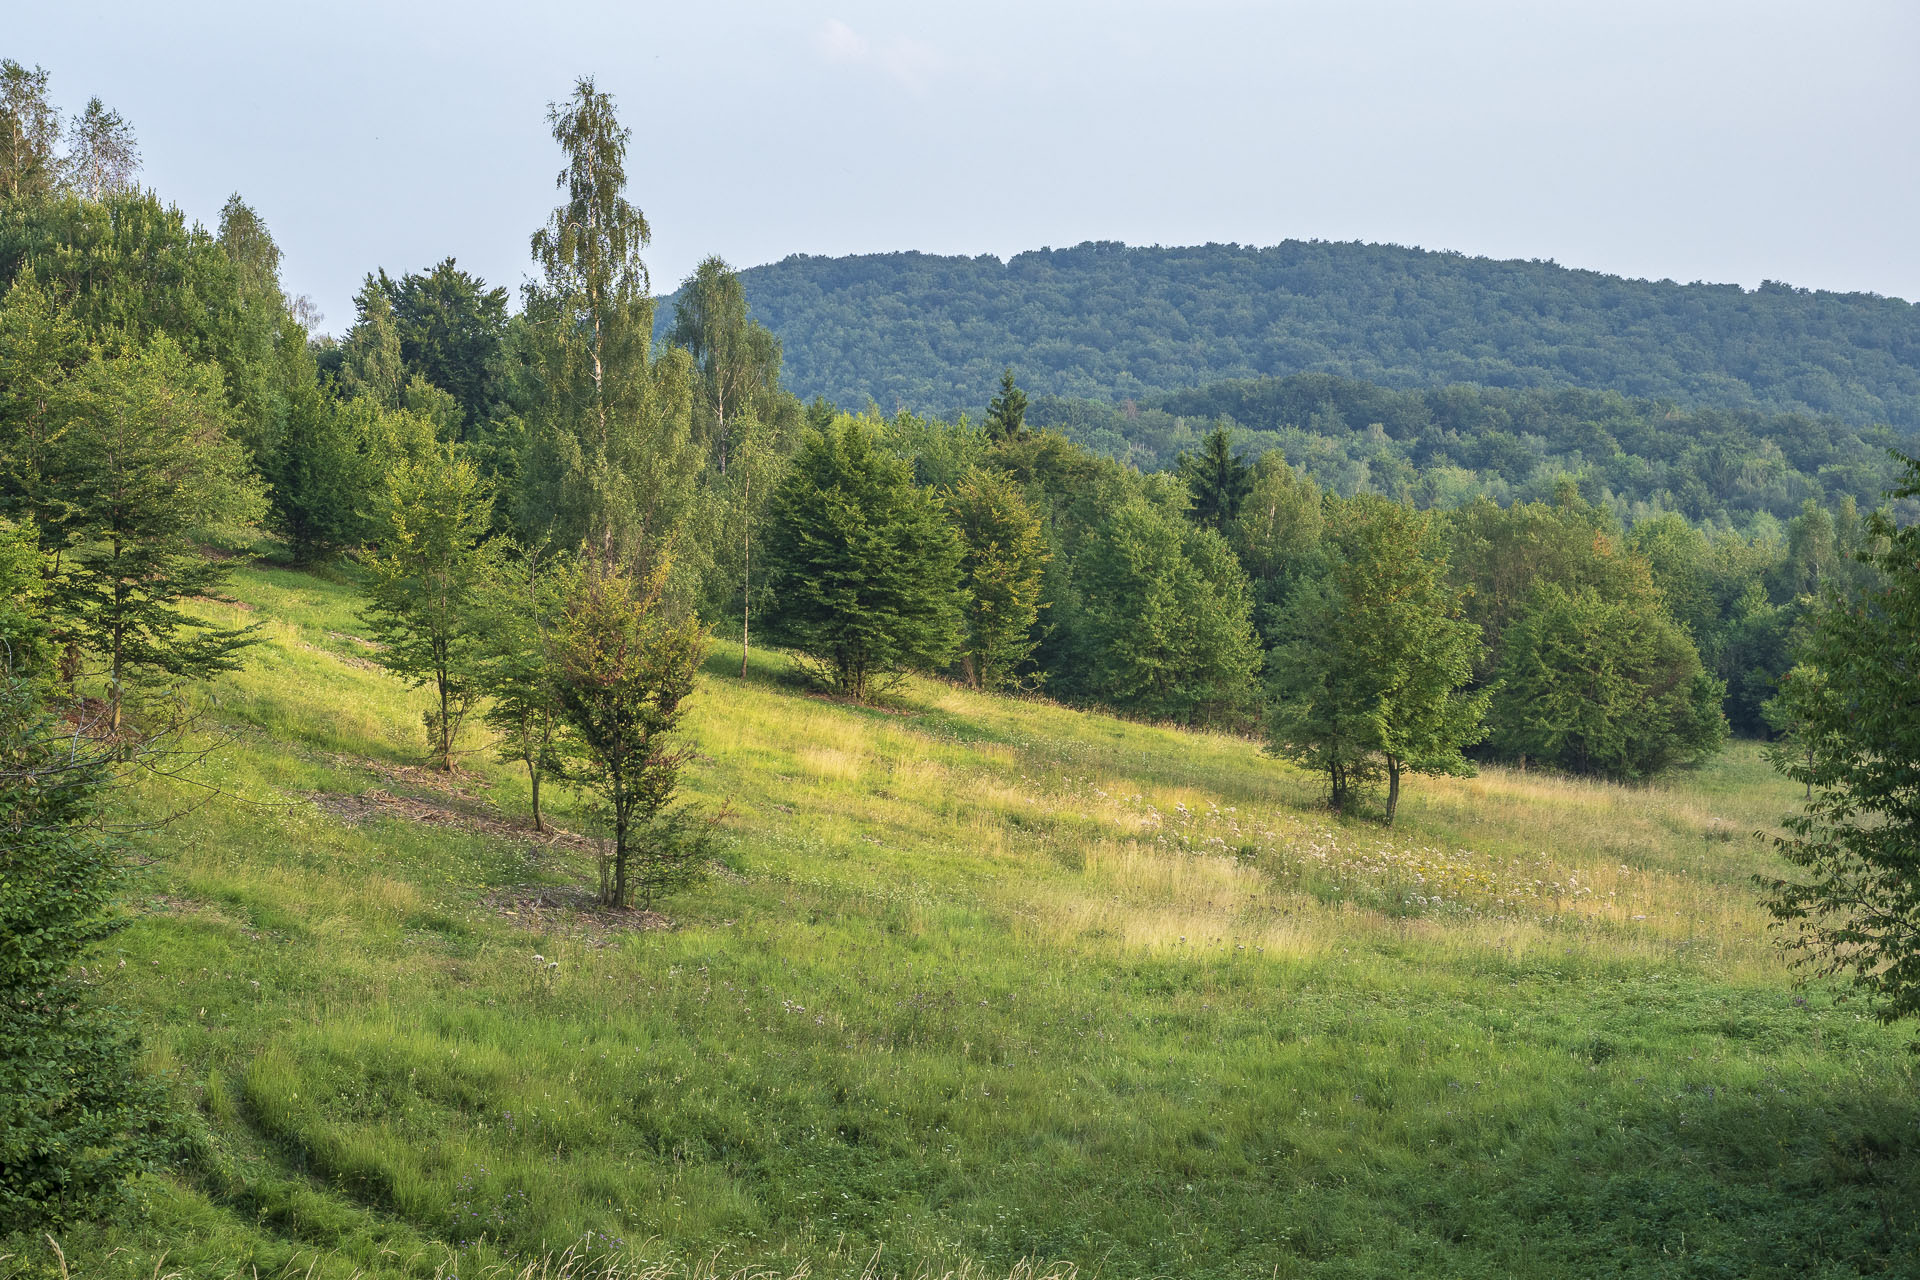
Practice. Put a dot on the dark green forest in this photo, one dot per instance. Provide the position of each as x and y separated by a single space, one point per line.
1108 321
1444 446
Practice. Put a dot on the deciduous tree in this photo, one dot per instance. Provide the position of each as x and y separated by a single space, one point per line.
1371 675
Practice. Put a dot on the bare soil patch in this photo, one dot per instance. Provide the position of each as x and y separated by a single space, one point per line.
572 910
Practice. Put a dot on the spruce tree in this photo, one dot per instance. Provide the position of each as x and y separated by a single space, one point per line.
1218 481
141 475
1007 412
1004 555
867 568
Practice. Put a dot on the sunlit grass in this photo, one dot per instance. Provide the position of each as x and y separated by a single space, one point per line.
979 982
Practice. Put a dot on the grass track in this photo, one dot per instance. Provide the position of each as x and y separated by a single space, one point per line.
985 980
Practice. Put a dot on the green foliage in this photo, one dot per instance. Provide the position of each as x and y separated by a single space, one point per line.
737 359
142 473
516 609
1371 674
1603 684
1853 908
1003 556
1007 412
129 268
1445 446
24 570
422 582
622 666
370 365
611 462
450 326
1115 322
867 568
1277 534
76 1117
1218 481
29 132
1160 618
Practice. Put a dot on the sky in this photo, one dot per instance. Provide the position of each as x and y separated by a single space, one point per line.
1684 139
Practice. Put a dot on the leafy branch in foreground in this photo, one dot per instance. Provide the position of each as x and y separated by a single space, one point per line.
1855 745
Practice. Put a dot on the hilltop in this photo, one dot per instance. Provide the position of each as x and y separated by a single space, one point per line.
977 979
1109 321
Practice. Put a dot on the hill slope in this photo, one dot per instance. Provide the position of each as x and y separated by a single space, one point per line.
1105 320
980 980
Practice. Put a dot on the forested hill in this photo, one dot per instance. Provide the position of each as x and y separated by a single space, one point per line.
1104 320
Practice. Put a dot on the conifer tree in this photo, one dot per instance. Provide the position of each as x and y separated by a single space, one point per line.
370 364
1162 625
868 570
1218 481
144 471
1004 555
1007 412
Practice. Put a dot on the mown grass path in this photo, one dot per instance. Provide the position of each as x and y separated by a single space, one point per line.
982 980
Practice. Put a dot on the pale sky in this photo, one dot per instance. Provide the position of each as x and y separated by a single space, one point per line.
1683 139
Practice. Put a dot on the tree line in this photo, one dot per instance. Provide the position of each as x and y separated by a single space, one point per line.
1109 321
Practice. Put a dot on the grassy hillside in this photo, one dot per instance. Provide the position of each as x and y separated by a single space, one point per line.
980 981
1109 321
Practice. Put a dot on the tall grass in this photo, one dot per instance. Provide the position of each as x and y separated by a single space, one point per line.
980 981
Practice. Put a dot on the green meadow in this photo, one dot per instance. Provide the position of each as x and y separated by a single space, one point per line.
982 986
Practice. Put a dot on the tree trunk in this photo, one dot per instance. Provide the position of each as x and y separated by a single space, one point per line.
1393 787
533 779
746 566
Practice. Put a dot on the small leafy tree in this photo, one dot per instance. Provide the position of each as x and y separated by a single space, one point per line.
1003 559
516 613
1854 906
422 583
621 668
868 568
1370 678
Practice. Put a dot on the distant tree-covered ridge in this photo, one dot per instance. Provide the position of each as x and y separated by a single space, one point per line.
1103 319
1445 446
